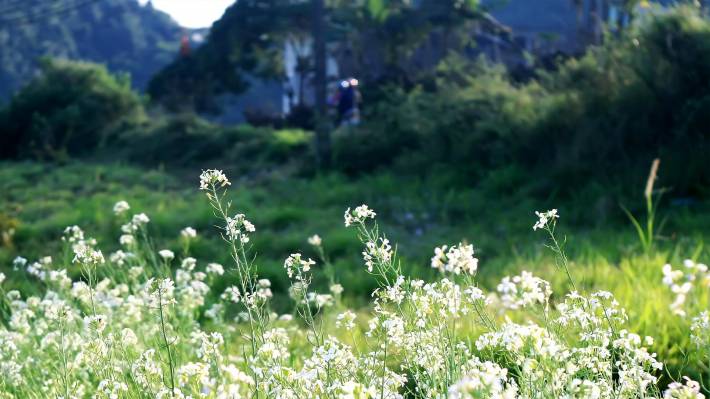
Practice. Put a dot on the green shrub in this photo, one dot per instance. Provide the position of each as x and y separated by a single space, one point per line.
69 109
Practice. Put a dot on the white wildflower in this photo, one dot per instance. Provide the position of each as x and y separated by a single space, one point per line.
136 223
188 264
346 320
140 219
188 233
232 294
120 257
358 215
126 240
111 389
18 263
213 177
86 255
689 390
545 219
315 240
73 234
700 329
336 289
95 323
163 292
166 254
457 259
295 264
377 252
128 337
483 380
215 268
523 290
121 207
238 227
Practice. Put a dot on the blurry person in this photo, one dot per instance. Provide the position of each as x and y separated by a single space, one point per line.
185 49
348 99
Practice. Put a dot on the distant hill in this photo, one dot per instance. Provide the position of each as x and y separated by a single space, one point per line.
122 34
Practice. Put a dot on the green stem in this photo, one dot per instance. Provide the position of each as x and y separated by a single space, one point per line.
165 341
561 254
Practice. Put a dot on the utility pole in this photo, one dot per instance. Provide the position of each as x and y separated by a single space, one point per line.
323 148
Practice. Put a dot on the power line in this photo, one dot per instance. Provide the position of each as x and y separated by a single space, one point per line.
48 13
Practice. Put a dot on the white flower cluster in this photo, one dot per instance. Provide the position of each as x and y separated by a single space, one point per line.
213 178
681 282
130 229
545 219
457 260
73 234
318 300
238 228
263 291
336 289
232 294
121 258
377 252
689 390
315 240
484 380
120 208
188 233
85 254
215 268
166 254
295 265
40 269
346 320
700 330
83 249
358 215
523 290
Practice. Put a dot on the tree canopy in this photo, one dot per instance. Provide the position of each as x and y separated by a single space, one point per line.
250 40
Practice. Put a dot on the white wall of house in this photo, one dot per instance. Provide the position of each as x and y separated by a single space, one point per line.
292 50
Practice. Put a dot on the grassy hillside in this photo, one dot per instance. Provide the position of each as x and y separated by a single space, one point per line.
39 200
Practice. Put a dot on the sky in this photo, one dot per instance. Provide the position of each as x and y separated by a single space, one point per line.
193 13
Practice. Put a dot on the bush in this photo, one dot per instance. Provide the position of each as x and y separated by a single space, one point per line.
187 139
67 110
605 115
469 120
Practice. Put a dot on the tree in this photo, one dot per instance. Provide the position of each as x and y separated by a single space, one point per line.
67 110
248 40
385 35
323 144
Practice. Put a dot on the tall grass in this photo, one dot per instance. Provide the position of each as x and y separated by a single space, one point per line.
647 233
